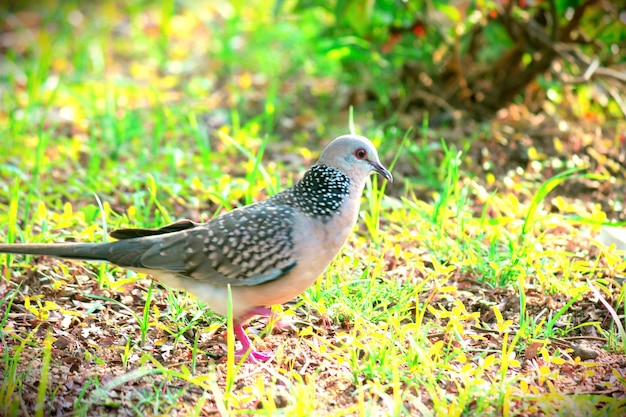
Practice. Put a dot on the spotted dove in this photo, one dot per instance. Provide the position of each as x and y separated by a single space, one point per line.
269 252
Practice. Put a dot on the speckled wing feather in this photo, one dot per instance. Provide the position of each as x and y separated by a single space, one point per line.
248 246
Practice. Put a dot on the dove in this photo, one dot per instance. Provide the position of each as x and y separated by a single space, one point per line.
268 252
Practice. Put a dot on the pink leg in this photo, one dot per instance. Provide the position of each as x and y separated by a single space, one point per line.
246 346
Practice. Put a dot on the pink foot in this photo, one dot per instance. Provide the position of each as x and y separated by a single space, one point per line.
246 347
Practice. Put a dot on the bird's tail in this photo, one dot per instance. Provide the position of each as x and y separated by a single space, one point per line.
82 251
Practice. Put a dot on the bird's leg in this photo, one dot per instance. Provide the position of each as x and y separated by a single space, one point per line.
246 346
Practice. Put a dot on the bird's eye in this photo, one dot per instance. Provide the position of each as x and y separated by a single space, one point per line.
360 153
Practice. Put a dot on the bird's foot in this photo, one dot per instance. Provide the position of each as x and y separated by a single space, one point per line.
252 356
247 351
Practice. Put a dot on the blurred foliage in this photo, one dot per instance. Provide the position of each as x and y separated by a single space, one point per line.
476 56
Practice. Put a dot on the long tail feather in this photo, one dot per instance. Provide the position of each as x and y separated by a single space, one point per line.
82 251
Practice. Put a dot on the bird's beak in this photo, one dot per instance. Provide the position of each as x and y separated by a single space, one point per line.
382 170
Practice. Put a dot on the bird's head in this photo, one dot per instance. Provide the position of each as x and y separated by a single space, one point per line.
356 156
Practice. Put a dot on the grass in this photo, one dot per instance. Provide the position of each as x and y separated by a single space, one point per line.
464 302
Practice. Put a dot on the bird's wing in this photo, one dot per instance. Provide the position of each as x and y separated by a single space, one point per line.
249 246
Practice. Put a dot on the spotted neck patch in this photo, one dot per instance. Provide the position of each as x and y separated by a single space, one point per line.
320 192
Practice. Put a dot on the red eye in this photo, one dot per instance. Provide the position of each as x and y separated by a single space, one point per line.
360 153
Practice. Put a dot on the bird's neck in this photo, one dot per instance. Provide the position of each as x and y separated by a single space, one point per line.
321 192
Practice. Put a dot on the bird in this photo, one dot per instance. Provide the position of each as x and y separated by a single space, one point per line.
267 253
